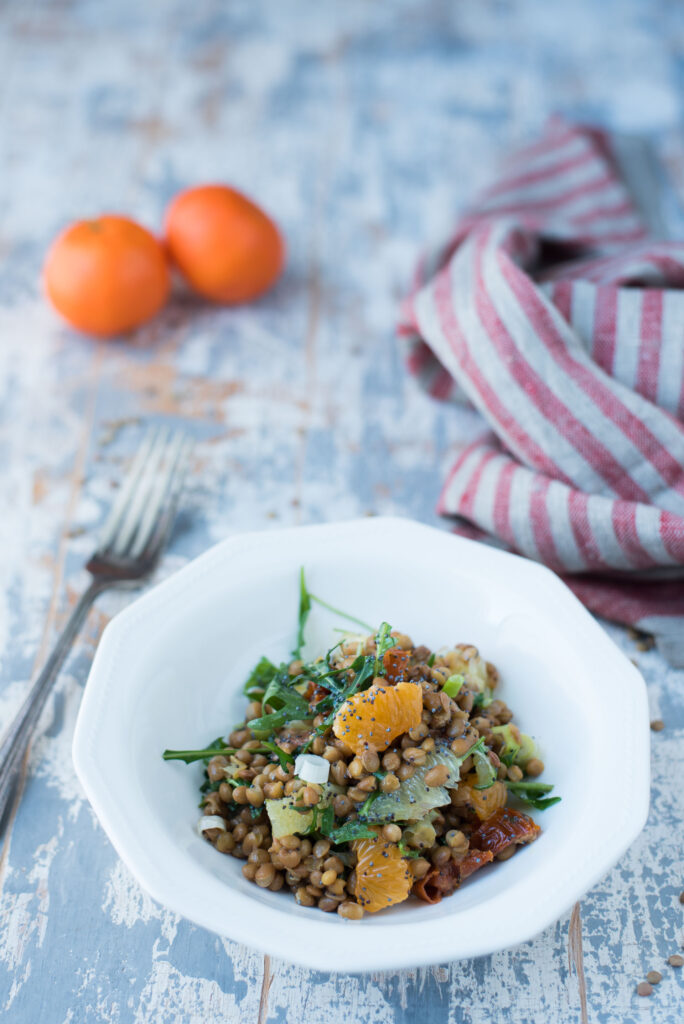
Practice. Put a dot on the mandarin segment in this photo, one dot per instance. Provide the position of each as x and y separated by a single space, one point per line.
481 802
375 717
382 875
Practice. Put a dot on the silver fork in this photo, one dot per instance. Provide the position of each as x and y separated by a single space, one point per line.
132 540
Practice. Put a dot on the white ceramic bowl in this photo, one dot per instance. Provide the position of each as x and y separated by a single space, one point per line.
169 670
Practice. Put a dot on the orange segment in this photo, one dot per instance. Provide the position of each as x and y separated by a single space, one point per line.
382 875
483 802
374 718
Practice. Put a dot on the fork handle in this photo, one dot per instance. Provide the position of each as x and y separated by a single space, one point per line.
16 741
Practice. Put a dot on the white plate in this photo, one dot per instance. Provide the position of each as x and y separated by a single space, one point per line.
168 673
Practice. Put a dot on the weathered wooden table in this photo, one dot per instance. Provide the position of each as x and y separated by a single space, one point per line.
361 126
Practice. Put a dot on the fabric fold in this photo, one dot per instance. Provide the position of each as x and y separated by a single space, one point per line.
553 315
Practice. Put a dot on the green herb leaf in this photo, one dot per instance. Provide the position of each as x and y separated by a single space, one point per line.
283 756
532 793
364 669
322 819
530 787
431 660
206 754
482 699
518 747
343 615
209 787
280 692
260 676
267 725
366 805
327 820
218 747
406 851
304 609
287 704
349 831
542 805
383 643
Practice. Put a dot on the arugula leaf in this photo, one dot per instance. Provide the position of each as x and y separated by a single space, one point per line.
364 669
283 756
364 674
482 699
324 674
189 756
287 704
209 787
280 693
262 728
529 786
349 831
431 659
322 819
366 805
304 609
260 676
532 794
543 805
327 820
219 747
344 615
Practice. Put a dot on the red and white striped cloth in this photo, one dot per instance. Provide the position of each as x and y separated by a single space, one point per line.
554 315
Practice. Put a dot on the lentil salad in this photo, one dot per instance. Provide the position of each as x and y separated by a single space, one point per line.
376 771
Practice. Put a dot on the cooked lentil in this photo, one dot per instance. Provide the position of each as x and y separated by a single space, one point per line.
446 808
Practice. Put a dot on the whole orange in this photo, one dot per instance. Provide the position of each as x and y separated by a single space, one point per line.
224 245
107 275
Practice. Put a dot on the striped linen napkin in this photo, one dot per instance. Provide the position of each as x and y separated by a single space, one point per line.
555 316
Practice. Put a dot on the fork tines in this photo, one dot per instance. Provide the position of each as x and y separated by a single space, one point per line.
147 500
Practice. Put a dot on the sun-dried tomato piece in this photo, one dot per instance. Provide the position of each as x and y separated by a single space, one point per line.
395 661
444 880
505 828
473 860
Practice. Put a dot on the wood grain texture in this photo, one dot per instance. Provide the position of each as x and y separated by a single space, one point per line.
361 127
